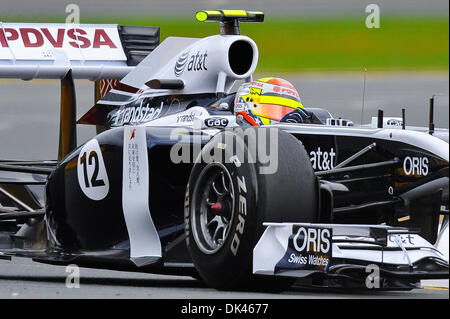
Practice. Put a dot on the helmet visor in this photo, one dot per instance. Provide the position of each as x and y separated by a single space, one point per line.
273 111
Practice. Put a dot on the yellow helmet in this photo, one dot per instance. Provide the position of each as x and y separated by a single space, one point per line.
270 98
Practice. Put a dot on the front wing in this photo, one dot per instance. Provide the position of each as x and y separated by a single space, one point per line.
347 253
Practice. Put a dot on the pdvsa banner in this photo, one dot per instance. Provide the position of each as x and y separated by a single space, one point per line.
43 41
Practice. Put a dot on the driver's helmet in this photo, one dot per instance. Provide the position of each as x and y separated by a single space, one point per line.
266 100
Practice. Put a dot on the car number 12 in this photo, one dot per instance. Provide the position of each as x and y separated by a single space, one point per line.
94 181
92 175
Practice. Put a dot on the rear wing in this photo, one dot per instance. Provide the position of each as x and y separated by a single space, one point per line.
99 52
37 50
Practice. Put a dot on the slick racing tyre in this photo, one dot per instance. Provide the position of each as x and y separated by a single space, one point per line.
230 196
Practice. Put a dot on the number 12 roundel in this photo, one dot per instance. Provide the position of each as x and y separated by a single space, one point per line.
91 170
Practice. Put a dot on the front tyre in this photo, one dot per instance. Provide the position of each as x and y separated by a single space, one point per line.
228 199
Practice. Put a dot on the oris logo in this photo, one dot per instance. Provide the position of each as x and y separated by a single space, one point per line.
413 165
316 240
181 63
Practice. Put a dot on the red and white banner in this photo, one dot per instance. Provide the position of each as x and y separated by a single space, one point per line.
44 41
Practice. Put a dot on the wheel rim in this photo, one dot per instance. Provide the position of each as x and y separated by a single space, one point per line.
213 208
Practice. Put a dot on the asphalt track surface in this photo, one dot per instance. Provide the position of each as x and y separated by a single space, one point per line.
22 278
29 130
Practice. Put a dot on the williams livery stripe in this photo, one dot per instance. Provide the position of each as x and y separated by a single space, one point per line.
145 245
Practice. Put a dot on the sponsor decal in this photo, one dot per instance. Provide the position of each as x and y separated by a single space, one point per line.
255 91
136 114
216 122
404 239
183 118
145 245
195 62
133 134
290 92
253 83
415 166
189 115
91 171
181 63
394 122
309 248
284 90
107 85
80 42
322 159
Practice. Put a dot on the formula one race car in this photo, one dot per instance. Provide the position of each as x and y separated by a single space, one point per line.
172 184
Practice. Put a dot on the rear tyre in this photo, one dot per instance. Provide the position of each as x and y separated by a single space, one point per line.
228 199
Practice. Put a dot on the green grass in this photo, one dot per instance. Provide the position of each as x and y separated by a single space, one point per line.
324 44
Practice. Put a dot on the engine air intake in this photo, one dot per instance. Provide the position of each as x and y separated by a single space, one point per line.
240 57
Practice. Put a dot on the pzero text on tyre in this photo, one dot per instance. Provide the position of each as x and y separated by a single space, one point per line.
229 197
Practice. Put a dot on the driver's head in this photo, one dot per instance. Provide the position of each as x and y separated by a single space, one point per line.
270 99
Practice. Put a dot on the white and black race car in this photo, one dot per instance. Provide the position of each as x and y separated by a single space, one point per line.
172 184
